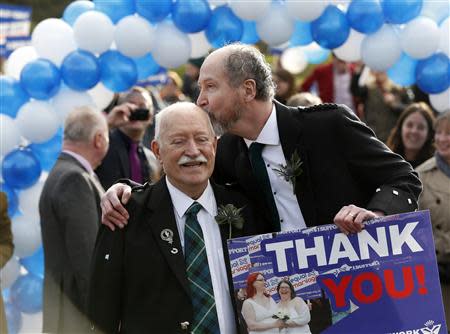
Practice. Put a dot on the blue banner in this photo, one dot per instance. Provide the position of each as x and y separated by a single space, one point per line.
381 280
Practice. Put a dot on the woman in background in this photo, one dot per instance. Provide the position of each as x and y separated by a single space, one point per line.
435 177
412 136
285 85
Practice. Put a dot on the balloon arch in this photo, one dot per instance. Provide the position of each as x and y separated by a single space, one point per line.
106 46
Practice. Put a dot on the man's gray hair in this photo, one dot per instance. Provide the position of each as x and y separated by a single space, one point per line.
82 123
161 116
247 62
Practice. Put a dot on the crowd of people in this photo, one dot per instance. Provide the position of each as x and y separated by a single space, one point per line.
169 167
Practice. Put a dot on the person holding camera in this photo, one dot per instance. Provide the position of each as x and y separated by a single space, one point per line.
127 157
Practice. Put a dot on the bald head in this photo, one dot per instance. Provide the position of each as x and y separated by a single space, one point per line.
82 124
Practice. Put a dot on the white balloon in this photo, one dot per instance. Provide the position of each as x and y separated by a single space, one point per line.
18 59
441 101
277 26
307 10
53 39
9 136
67 100
435 10
444 32
350 51
294 60
382 49
94 31
37 121
101 96
31 322
216 3
199 45
420 38
251 10
10 272
142 38
172 47
26 232
29 199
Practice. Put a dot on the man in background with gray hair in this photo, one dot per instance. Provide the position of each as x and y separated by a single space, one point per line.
70 214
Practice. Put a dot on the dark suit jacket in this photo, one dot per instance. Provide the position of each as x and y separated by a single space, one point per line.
116 164
70 212
137 281
343 163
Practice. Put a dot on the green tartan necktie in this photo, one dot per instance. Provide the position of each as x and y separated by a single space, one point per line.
198 274
260 172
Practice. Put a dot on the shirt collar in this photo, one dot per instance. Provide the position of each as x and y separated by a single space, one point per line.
269 133
81 160
181 202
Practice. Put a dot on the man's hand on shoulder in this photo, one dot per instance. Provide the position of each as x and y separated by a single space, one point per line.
351 217
112 204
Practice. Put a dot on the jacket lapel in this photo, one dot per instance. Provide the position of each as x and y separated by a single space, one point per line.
162 218
290 130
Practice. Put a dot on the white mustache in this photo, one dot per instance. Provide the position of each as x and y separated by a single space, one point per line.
185 159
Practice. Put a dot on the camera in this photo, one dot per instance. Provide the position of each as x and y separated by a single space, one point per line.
140 114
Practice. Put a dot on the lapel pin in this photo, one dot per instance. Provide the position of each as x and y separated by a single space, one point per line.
174 251
167 235
107 257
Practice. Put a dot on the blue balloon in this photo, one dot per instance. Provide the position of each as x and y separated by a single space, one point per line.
75 9
191 15
116 9
316 56
301 35
400 11
13 199
47 153
331 29
13 318
249 35
118 72
34 263
433 73
80 70
154 11
20 168
146 66
403 72
26 293
365 16
12 96
224 27
41 79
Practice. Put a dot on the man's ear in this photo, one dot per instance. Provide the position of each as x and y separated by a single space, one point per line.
155 146
249 86
98 140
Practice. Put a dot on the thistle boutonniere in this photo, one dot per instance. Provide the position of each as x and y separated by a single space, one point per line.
229 214
291 170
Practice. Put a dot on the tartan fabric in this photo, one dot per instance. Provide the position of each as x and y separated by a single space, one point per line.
202 295
260 172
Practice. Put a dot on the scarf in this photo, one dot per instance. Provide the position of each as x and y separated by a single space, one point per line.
442 164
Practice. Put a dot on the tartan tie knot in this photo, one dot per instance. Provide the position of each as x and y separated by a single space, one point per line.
193 210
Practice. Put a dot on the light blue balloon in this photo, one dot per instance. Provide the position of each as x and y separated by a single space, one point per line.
403 72
317 56
400 11
331 29
433 73
365 16
80 70
13 318
20 168
26 293
191 16
47 152
249 35
154 11
301 35
75 9
34 263
224 27
41 79
118 72
12 96
116 9
146 66
13 199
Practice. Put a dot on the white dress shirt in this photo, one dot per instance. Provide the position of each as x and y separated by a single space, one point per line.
291 217
214 250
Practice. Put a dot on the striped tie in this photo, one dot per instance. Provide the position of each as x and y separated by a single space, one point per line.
197 270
